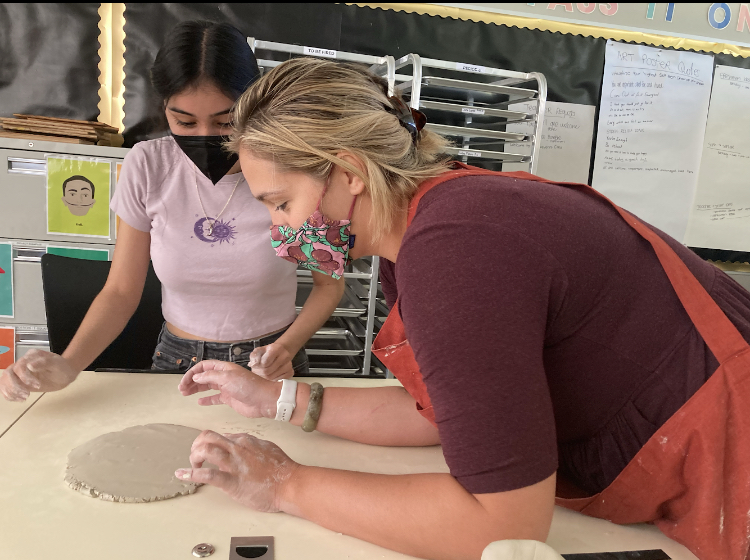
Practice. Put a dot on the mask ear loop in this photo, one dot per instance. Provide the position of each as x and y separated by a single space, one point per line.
320 200
325 190
351 210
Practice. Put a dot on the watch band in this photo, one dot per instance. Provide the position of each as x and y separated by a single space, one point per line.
313 408
287 400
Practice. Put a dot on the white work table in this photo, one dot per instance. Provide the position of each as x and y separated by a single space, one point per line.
41 518
10 412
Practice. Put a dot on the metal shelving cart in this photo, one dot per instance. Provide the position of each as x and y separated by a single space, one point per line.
472 105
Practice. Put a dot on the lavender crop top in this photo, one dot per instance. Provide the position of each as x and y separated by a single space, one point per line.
226 286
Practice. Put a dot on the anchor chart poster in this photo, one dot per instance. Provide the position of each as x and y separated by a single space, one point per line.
78 192
652 119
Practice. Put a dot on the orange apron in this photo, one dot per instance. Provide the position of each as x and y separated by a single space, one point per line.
692 478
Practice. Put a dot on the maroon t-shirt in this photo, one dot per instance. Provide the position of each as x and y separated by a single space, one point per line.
547 333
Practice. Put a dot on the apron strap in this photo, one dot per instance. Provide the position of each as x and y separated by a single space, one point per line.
718 332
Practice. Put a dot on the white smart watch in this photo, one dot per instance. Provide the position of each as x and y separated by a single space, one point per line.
287 400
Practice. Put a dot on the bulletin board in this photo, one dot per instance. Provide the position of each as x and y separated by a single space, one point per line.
573 64
48 59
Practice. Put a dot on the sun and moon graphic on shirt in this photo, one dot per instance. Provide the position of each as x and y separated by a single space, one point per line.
213 231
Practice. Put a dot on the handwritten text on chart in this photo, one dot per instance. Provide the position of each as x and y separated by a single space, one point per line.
564 141
650 136
720 216
634 91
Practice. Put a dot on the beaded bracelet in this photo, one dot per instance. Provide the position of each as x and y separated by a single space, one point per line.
313 407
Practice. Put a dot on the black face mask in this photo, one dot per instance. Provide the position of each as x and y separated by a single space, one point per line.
208 155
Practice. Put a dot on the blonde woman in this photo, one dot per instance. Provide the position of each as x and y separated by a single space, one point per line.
542 335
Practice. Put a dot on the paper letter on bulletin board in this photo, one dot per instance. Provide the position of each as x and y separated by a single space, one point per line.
565 146
7 346
6 280
78 196
652 119
720 216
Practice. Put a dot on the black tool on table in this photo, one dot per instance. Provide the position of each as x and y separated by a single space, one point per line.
251 547
626 555
130 370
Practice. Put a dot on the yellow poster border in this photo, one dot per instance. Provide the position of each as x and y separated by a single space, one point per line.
539 24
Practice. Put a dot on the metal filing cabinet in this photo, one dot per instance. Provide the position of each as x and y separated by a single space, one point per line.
337 349
23 223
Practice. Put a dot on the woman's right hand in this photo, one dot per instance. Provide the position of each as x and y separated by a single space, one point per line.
245 392
37 370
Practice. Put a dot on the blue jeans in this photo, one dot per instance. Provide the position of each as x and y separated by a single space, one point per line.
175 353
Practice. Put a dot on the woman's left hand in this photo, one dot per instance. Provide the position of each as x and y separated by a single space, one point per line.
245 392
272 362
251 470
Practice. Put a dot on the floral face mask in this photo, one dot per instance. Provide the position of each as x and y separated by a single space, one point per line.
320 244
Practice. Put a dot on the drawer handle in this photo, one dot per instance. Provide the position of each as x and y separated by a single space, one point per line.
27 166
25 254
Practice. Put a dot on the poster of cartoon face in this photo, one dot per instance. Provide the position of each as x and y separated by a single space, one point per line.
78 191
78 194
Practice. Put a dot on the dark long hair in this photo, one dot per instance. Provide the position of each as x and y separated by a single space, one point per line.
196 51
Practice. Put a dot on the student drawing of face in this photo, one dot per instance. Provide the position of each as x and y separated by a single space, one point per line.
78 195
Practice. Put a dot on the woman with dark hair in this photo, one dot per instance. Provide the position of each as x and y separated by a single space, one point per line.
184 205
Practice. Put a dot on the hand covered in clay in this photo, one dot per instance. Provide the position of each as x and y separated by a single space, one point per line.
251 470
37 370
272 362
245 392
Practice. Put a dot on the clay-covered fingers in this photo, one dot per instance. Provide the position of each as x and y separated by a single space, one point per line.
213 477
282 370
212 447
250 470
11 387
241 436
271 362
189 385
28 369
218 398
256 356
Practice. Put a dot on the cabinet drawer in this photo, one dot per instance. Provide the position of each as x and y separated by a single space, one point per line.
23 188
27 280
